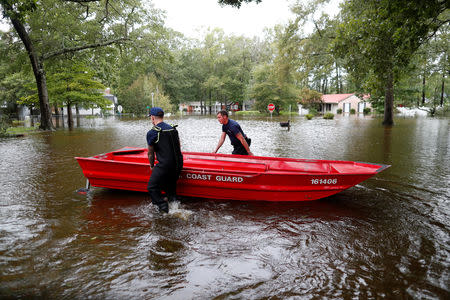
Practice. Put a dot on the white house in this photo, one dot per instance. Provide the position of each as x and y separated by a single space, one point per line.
346 102
194 107
111 108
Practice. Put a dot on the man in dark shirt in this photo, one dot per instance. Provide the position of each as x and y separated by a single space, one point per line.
163 141
239 140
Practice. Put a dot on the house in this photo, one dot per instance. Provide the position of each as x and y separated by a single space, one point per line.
110 109
194 107
346 102
23 111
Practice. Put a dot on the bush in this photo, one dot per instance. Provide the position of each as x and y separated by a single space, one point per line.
309 116
18 123
339 111
366 110
352 111
328 116
313 112
247 113
4 124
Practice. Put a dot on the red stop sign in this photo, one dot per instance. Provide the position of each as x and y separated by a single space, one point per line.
271 107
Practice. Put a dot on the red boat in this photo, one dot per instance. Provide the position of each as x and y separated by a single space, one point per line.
233 177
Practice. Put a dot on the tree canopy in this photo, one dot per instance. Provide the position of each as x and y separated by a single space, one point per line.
378 38
396 51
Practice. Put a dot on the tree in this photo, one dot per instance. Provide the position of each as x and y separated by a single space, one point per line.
377 38
70 86
14 86
138 96
264 88
49 29
311 99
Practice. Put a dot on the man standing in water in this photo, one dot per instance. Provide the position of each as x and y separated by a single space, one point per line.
239 140
163 141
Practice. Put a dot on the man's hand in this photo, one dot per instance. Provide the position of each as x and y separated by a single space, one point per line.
151 156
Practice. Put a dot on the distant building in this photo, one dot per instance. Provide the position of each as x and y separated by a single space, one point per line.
194 107
346 102
110 109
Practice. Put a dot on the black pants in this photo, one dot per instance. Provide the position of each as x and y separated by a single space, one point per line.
165 179
239 148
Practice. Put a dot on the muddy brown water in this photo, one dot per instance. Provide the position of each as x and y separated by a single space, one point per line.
387 237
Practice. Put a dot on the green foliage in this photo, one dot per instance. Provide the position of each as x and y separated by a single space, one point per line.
367 110
339 111
5 122
289 66
311 99
313 111
19 130
377 39
14 86
309 116
264 88
352 111
18 9
247 113
138 96
328 116
69 85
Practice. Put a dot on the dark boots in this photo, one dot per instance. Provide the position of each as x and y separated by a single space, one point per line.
163 207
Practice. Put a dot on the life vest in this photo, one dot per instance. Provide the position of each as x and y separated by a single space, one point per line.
167 148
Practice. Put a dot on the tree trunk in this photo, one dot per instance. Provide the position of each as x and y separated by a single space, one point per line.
56 115
338 89
77 110
442 89
389 100
31 116
69 116
39 74
423 90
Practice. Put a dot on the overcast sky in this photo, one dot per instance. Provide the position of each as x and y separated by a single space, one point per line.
188 17
192 18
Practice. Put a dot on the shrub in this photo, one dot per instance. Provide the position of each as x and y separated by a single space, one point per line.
17 122
247 113
4 124
312 111
352 111
309 116
366 110
328 116
339 111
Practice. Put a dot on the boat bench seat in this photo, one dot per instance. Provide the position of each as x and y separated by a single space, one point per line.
221 165
298 166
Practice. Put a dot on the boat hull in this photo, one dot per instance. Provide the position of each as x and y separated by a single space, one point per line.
232 177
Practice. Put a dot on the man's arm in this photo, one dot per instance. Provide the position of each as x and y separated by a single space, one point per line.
240 137
221 140
151 156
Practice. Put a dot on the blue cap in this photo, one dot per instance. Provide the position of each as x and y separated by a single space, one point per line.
156 111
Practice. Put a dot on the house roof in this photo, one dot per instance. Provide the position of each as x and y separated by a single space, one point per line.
335 98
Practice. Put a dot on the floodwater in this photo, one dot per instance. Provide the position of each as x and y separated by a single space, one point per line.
387 237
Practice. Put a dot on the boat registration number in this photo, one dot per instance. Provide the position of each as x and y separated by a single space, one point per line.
324 181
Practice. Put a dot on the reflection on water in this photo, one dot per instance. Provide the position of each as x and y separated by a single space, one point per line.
385 238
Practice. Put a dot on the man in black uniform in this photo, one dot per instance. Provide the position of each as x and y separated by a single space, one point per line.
163 141
238 139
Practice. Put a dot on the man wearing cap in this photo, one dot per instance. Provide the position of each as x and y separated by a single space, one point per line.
163 141
239 141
